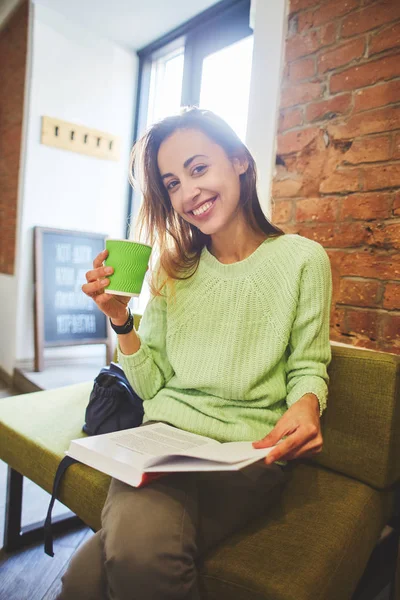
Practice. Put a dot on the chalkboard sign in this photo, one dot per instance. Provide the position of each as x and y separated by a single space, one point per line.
64 315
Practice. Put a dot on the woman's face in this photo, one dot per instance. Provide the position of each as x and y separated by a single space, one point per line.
199 176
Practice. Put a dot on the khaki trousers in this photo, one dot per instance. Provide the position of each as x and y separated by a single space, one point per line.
151 537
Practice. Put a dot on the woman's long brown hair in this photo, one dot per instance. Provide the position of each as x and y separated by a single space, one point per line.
180 243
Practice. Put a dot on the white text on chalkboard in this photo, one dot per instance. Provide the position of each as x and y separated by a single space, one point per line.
66 253
76 324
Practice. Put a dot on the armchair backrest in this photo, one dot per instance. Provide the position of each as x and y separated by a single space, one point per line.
361 426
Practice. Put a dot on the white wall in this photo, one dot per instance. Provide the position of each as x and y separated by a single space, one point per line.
269 21
84 79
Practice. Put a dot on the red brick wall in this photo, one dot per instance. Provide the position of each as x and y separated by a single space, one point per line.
338 163
13 49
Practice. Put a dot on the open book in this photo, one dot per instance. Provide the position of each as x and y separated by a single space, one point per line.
138 455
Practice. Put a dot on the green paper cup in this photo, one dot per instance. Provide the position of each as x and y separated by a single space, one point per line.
129 260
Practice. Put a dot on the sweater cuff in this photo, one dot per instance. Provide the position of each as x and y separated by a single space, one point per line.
134 360
309 385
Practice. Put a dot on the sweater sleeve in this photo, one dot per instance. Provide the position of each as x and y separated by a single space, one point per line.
309 345
148 369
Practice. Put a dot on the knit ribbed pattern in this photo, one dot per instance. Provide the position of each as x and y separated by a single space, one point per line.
239 343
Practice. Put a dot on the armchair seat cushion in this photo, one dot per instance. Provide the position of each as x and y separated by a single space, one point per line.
313 544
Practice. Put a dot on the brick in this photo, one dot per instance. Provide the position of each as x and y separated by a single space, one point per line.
299 94
356 292
328 34
332 10
295 141
393 349
364 322
13 49
383 235
328 109
366 207
319 210
391 329
302 69
289 119
305 21
386 39
287 188
326 13
289 228
370 17
340 235
376 121
369 149
341 55
391 299
383 177
292 27
285 73
301 45
341 181
379 95
337 319
371 264
282 211
296 5
396 149
396 204
366 74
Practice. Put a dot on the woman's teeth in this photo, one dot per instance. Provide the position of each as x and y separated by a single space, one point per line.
202 208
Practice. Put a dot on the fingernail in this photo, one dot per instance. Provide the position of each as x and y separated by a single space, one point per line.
104 282
108 270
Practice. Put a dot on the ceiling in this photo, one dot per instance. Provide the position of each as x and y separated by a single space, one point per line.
130 23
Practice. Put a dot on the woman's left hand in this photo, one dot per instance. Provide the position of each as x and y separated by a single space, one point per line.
301 428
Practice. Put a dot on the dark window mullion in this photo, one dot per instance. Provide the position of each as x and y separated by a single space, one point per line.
192 70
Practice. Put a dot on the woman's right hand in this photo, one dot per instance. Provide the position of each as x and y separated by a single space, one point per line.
112 306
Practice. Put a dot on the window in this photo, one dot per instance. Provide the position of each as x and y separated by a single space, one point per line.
224 96
184 68
165 86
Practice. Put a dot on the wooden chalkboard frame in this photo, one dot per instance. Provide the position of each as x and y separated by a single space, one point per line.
39 317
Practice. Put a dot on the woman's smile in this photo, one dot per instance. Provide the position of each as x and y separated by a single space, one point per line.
204 210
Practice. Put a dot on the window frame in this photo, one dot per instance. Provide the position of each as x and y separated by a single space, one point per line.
219 26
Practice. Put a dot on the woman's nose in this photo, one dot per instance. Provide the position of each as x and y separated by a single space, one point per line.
190 191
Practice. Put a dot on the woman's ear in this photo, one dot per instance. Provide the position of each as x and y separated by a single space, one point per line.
240 164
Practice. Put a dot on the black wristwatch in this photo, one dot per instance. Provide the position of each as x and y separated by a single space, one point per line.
126 327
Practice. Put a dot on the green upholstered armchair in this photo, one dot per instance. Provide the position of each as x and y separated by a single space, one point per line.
316 540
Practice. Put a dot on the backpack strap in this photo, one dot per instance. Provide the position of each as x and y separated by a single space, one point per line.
66 462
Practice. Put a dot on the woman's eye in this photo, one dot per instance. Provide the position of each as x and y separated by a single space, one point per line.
171 185
199 169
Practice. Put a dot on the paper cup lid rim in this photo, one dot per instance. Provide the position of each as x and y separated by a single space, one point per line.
131 241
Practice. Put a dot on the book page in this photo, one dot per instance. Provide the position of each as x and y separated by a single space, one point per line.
160 440
229 453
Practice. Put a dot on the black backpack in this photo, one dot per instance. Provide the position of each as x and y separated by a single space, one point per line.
113 405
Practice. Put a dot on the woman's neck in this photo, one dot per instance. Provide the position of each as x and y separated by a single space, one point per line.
229 247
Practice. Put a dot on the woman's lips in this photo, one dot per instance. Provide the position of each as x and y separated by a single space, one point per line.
204 215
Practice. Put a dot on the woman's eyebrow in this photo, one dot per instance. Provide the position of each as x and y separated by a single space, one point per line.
186 164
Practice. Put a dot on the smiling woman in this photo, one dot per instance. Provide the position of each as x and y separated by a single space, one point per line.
199 189
238 352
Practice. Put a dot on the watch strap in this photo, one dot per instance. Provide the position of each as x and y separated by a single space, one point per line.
126 327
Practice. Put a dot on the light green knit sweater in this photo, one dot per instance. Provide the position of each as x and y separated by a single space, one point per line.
240 343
